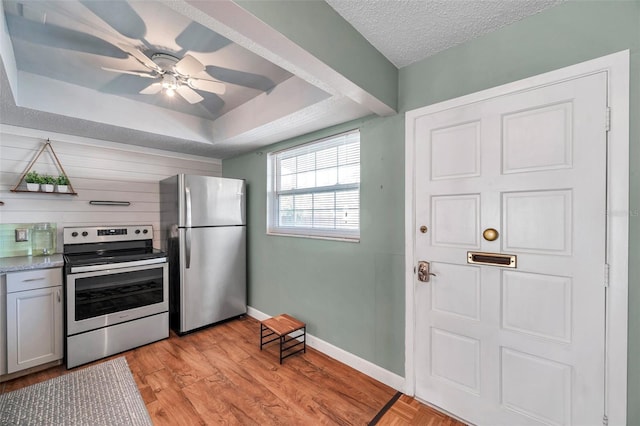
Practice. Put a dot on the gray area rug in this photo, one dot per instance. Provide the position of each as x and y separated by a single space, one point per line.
103 394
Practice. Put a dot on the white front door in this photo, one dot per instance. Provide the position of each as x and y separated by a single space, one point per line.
514 346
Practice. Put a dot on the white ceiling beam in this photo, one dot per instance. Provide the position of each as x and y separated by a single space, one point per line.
239 25
329 112
114 110
7 55
283 100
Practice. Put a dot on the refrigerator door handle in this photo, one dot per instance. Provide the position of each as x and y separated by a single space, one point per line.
187 248
187 196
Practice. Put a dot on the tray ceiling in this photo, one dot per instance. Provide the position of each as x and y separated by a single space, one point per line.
54 57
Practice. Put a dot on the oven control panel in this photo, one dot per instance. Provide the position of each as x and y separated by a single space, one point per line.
98 234
112 231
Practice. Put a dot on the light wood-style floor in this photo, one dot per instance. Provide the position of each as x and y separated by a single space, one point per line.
220 376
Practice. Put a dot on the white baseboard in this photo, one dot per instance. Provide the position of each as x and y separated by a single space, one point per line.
254 313
353 361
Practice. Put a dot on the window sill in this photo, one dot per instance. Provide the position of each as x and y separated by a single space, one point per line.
315 237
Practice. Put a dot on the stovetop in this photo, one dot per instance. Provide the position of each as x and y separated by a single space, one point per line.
106 245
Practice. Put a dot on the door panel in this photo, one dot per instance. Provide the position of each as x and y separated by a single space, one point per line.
523 378
548 148
455 151
503 346
537 221
537 304
456 359
456 297
464 211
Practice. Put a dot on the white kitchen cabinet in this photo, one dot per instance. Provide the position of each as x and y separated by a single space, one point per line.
34 318
3 324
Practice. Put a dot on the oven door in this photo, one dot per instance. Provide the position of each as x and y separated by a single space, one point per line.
123 293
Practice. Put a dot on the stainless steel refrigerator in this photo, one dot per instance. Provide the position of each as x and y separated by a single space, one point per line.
203 219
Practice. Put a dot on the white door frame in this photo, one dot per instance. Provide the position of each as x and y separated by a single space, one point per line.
616 66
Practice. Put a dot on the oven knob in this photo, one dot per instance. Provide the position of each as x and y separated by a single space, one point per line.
74 234
85 233
145 231
137 231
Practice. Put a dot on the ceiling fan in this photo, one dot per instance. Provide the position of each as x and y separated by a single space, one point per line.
174 75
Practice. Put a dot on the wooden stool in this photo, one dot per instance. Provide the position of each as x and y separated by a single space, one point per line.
281 326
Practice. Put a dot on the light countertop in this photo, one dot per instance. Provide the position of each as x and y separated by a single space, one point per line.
26 263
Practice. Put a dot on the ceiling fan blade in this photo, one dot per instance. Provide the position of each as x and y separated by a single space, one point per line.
189 65
120 16
207 85
197 38
141 57
138 73
189 94
60 38
241 78
152 89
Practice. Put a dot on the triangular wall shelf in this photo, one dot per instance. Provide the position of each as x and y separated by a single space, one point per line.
46 145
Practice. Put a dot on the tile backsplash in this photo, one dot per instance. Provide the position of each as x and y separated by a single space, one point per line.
8 245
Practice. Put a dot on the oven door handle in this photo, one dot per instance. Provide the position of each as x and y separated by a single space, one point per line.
116 267
187 248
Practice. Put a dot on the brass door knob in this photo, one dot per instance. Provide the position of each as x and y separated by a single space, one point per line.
490 234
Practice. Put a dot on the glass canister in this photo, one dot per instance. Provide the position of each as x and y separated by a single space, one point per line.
42 242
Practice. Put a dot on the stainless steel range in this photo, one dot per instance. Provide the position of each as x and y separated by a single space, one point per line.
116 291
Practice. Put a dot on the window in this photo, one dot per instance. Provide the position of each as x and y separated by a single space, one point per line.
314 189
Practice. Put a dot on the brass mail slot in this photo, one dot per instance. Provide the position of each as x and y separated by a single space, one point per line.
493 259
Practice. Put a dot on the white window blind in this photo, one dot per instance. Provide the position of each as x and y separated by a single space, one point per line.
314 189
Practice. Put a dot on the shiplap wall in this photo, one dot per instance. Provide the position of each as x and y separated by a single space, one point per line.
98 170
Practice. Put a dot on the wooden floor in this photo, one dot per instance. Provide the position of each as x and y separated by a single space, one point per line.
220 376
408 411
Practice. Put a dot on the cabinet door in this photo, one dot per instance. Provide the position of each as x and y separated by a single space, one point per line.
3 324
34 328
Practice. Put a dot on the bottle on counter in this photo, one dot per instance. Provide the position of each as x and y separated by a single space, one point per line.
42 241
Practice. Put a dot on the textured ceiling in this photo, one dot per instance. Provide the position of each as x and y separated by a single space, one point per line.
406 31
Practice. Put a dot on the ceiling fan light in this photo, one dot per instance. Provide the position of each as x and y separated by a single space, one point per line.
169 82
176 76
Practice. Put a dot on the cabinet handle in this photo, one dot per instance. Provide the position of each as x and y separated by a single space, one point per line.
58 294
33 279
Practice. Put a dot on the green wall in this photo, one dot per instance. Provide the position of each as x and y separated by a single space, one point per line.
352 295
349 294
342 47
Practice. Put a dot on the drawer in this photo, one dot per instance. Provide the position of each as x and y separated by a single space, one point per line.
33 279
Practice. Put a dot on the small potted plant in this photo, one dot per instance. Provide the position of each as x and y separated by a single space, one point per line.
62 184
33 181
47 182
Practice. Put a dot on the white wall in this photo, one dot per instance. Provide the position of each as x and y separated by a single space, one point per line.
98 170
